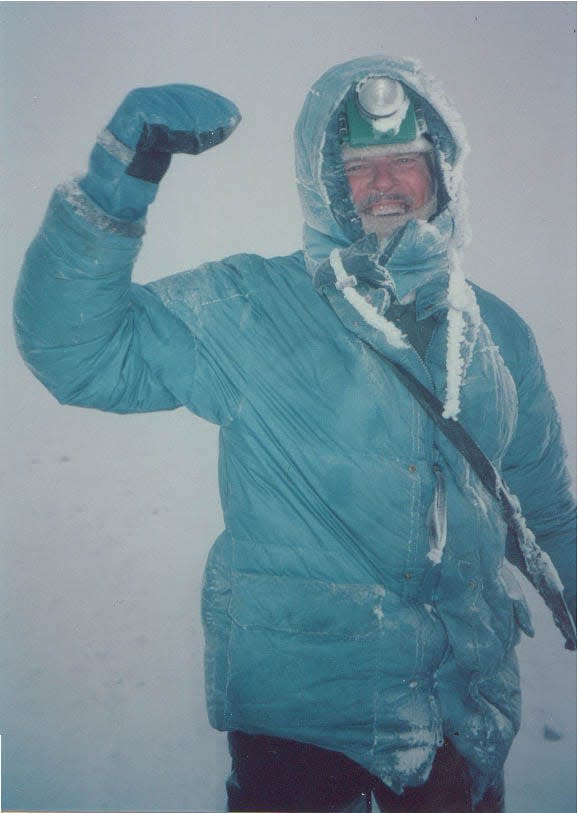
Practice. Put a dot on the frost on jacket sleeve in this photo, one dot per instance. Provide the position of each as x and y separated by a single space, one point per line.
535 470
96 340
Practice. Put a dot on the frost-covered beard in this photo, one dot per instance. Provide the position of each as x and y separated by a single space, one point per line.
385 225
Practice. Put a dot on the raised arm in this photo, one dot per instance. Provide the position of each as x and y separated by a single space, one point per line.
93 338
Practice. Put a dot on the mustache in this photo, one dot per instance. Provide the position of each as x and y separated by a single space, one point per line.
383 197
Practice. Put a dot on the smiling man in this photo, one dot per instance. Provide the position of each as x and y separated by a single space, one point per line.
389 188
390 170
359 613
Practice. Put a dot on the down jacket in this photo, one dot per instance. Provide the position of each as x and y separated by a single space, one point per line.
336 611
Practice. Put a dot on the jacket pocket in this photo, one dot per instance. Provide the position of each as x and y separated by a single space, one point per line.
309 607
302 656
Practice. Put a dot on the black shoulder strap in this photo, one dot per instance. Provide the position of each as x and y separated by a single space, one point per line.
534 563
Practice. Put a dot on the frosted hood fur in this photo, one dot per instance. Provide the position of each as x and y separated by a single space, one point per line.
405 262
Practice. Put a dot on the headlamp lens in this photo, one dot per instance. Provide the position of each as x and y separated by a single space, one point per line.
380 96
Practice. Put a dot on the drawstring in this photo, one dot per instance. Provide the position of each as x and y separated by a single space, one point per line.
463 312
437 519
462 303
346 284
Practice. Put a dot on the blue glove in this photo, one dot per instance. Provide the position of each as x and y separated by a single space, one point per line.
134 151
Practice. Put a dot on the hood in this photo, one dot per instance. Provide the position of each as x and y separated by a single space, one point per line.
330 217
418 252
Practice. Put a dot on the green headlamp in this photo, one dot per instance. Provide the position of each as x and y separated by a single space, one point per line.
378 110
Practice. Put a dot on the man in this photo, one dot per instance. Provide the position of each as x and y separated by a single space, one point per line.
360 620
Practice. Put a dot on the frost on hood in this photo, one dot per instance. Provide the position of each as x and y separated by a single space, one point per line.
332 223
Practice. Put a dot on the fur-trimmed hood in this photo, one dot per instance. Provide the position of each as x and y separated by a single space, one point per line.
417 252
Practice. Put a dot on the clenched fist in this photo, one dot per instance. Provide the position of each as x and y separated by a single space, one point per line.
133 153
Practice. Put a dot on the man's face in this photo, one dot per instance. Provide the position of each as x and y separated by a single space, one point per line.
387 189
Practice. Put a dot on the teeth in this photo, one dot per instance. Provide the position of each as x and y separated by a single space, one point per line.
388 209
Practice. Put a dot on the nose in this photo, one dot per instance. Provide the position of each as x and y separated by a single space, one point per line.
383 178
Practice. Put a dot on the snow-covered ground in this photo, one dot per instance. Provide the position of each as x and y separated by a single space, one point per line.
541 769
107 520
102 676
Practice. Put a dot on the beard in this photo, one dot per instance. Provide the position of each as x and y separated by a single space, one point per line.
384 225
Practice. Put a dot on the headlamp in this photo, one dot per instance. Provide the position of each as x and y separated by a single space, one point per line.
380 110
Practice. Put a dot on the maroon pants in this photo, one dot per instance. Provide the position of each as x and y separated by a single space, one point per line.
273 775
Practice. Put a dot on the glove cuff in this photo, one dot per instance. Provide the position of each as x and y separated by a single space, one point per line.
118 194
109 142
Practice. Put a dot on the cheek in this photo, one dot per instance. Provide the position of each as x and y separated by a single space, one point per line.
357 187
422 187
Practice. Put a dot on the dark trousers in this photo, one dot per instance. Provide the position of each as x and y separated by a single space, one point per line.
272 774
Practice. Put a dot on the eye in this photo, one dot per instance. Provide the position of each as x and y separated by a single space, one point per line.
355 169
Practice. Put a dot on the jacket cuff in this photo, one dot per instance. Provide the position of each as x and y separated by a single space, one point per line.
97 221
81 245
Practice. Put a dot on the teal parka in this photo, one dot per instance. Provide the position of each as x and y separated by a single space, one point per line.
358 597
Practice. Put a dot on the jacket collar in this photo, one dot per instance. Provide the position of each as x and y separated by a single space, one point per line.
413 265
